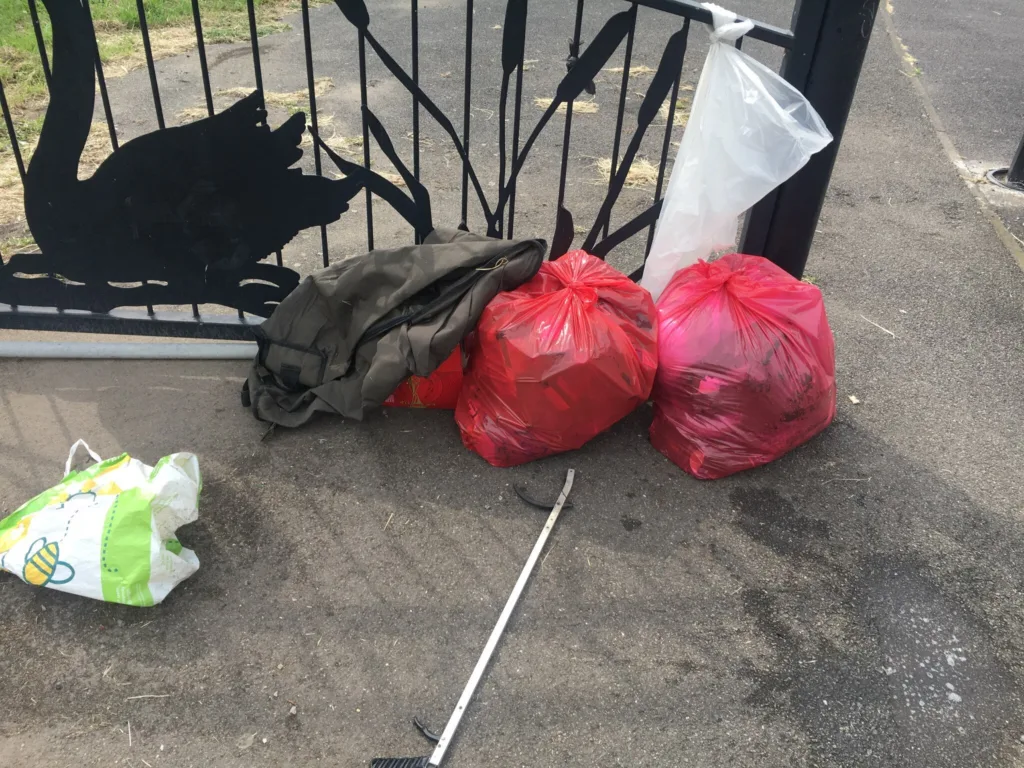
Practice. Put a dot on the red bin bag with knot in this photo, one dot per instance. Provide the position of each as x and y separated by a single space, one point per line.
746 368
557 361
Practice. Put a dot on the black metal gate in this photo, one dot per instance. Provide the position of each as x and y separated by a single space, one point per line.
198 214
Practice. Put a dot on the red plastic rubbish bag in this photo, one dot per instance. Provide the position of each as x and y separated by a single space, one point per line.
557 361
438 390
746 366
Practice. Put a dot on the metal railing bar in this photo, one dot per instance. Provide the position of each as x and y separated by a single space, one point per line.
766 33
257 67
40 42
468 73
151 66
667 141
366 137
11 133
568 111
126 322
627 62
415 20
197 22
43 58
311 85
102 81
150 63
203 66
516 122
254 42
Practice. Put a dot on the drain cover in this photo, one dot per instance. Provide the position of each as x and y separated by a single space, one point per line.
998 177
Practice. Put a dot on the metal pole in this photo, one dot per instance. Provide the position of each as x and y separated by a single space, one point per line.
825 67
121 350
492 641
1015 173
808 18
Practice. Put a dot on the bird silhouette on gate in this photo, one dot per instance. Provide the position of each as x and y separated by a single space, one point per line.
196 206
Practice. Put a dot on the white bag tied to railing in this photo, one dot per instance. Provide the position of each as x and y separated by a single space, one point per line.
726 26
749 131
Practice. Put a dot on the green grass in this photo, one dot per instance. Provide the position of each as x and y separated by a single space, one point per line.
117 29
20 241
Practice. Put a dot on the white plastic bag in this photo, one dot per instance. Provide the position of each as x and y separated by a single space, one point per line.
107 532
749 131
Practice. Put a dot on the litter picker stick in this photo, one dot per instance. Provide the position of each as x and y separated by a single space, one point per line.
492 642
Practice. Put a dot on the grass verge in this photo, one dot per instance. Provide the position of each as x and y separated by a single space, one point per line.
119 36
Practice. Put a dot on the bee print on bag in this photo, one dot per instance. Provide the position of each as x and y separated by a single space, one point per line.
42 564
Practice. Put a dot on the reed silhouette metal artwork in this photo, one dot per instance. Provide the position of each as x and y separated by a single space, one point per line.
187 215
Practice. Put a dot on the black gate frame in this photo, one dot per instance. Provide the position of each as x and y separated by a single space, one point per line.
824 53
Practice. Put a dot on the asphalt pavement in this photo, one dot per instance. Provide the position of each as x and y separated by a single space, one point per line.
857 604
967 56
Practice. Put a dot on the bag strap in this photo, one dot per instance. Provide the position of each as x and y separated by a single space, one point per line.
449 297
288 380
74 449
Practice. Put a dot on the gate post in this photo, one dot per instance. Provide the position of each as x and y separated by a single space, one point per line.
830 42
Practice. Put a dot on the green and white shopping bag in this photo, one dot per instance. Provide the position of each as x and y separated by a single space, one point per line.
108 531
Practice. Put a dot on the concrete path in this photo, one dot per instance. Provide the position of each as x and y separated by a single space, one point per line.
856 604
967 57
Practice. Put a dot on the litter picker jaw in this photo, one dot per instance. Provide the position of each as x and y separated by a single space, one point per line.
409 762
437 757
401 762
